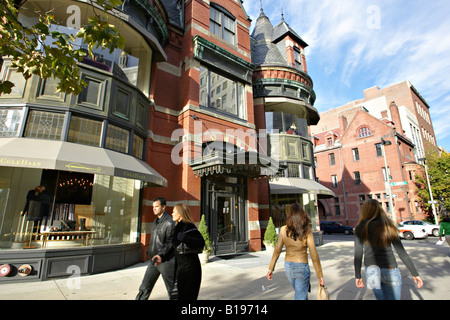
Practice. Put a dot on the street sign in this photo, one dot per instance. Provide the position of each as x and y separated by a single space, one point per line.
402 183
430 202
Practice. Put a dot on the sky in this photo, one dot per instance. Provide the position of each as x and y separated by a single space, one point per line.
358 44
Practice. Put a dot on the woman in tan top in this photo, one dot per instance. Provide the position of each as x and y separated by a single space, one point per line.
297 237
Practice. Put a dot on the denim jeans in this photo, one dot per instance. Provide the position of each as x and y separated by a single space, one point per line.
386 284
298 275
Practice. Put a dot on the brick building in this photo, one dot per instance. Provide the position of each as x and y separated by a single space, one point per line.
349 152
233 98
194 109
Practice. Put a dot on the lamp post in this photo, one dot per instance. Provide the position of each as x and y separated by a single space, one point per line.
388 178
433 207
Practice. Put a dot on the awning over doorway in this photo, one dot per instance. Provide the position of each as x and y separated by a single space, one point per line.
249 163
67 156
298 185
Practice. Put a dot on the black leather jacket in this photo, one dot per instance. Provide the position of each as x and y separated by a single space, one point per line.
161 237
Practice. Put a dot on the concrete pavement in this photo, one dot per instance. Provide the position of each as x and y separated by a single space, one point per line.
242 277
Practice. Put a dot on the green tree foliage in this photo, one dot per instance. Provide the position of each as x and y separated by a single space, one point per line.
203 229
439 175
270 236
31 56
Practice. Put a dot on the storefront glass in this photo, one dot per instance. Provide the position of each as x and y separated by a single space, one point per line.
104 207
280 202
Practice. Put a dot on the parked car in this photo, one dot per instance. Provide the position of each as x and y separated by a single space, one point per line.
431 229
335 227
411 232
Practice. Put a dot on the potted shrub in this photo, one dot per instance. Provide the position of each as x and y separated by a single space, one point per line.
270 236
207 250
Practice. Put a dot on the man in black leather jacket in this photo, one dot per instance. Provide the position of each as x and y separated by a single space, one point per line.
160 244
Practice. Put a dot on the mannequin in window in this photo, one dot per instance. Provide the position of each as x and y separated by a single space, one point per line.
37 206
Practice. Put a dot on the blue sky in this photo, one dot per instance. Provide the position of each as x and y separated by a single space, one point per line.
358 44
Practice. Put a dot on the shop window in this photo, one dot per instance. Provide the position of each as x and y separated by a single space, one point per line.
230 100
117 139
10 122
44 125
85 131
106 206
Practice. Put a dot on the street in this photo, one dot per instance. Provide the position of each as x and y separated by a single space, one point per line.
243 277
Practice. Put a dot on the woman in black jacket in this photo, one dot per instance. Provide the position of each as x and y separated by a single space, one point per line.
188 243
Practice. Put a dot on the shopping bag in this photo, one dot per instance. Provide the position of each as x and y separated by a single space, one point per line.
322 293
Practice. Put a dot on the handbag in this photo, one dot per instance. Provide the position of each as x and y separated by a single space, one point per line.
183 248
322 293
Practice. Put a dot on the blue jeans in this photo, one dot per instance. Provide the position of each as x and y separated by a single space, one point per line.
386 284
298 275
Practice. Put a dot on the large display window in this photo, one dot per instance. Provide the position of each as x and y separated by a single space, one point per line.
66 209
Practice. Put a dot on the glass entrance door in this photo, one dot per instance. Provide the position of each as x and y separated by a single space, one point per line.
224 202
225 221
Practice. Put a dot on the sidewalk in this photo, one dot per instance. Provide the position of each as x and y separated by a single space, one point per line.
242 277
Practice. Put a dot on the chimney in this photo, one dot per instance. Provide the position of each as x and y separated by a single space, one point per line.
395 114
343 123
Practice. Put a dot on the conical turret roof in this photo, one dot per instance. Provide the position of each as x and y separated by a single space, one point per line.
264 51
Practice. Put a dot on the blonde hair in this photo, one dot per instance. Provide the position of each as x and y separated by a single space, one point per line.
184 212
385 228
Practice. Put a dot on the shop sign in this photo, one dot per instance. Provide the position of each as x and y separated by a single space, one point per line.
20 163
134 175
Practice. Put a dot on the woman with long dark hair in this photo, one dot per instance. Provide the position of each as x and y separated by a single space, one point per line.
297 236
188 243
375 235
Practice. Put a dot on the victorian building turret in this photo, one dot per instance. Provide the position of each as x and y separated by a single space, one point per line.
284 106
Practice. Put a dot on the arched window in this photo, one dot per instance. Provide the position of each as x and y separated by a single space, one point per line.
363 132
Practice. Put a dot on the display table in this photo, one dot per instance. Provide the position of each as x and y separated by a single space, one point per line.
66 236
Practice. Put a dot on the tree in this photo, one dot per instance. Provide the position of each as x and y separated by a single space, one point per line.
203 229
270 236
31 56
439 174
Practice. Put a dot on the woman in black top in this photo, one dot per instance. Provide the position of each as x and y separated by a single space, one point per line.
188 243
374 235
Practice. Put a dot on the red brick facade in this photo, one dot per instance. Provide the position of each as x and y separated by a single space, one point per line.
344 125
